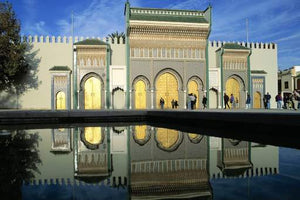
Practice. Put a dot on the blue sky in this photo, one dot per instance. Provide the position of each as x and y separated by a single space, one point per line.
269 20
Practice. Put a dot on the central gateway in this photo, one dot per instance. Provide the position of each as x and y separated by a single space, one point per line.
166 55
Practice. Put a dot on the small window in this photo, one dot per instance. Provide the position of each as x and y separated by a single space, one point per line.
180 53
163 52
155 52
146 52
286 85
172 53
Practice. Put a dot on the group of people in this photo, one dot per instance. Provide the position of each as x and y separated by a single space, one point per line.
191 102
233 101
290 101
174 103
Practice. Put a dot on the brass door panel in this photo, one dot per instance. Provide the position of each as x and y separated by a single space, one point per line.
60 101
167 88
233 87
167 137
140 95
93 135
257 100
193 88
92 93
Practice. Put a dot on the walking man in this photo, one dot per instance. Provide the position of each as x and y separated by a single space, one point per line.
226 99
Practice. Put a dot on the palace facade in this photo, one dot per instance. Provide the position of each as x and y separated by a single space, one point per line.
166 53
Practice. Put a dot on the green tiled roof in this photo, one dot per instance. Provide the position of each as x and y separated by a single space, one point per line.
233 46
258 72
91 42
168 15
60 68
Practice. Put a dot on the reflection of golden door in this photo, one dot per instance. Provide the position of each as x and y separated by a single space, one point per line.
167 137
92 93
167 88
193 135
257 100
93 135
140 132
193 88
233 87
140 95
60 101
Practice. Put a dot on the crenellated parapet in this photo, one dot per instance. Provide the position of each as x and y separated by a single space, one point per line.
68 40
251 45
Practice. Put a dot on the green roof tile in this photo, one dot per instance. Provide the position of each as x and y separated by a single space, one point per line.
168 15
168 18
60 68
258 72
233 46
91 42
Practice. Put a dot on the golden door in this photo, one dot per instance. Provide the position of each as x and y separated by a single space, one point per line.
257 100
140 132
60 101
92 93
233 87
193 88
167 137
140 95
167 88
93 135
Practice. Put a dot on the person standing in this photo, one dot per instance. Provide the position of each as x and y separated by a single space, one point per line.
297 98
278 100
176 104
226 99
204 101
192 99
248 101
232 102
285 101
161 103
173 103
195 101
268 98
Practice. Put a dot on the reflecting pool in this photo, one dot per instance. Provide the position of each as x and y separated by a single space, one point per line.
142 162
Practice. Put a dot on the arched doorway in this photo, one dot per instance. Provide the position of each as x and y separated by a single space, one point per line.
118 98
92 93
233 87
257 100
140 95
213 98
193 88
167 88
60 101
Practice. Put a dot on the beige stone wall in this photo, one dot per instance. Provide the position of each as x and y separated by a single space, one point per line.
266 59
50 54
118 55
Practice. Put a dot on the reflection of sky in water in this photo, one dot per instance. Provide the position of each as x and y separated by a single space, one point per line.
60 164
284 185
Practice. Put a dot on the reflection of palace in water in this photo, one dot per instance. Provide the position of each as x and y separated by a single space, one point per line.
146 162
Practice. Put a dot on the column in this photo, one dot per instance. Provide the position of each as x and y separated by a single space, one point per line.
152 99
130 99
184 99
